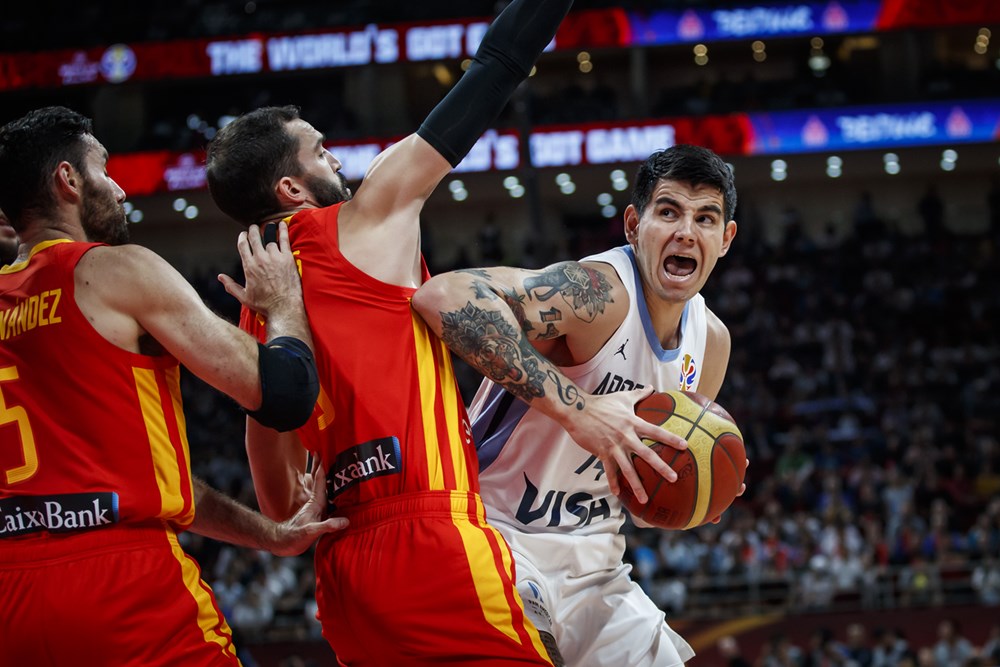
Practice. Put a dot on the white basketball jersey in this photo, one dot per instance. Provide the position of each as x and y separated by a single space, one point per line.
534 479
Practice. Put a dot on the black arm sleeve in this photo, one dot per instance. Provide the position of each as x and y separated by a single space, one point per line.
504 59
289 384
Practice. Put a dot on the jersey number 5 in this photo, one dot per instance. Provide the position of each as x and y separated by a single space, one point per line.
17 415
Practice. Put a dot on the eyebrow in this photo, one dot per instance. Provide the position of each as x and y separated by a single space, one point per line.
714 208
320 140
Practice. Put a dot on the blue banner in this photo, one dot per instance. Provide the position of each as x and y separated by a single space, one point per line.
753 22
810 131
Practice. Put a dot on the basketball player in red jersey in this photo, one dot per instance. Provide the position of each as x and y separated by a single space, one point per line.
95 479
419 578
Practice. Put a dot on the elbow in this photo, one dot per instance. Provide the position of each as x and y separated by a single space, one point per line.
429 300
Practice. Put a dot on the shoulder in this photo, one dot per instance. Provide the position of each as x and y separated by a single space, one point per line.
717 337
128 275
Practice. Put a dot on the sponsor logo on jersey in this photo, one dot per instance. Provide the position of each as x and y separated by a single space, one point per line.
23 515
360 463
560 508
613 382
689 373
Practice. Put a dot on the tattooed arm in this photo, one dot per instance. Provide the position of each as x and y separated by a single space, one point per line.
515 325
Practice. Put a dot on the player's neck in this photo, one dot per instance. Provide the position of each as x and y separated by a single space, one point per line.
666 319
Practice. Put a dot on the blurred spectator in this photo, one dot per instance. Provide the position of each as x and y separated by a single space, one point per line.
730 651
952 649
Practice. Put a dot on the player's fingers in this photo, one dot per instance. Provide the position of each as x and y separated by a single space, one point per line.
636 395
743 487
653 432
334 523
654 461
232 287
631 476
253 235
243 246
283 243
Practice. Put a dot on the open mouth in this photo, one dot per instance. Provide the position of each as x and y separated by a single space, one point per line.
680 266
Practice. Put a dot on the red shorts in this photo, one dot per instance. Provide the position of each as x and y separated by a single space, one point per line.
421 579
122 595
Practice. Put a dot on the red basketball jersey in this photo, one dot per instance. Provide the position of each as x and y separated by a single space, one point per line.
90 433
389 418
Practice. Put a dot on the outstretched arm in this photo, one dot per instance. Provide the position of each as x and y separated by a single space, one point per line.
383 215
220 517
495 318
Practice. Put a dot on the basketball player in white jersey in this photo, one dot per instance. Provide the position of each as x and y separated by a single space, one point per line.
626 318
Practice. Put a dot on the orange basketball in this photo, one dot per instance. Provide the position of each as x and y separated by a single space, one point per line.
709 472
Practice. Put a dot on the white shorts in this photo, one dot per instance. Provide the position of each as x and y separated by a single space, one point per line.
601 619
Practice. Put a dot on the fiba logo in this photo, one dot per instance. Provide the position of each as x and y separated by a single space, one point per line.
689 373
118 63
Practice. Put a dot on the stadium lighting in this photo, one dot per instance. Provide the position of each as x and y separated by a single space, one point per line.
568 188
460 194
562 179
609 211
510 182
834 161
604 199
456 185
180 204
779 165
191 212
135 215
518 191
127 207
949 155
892 168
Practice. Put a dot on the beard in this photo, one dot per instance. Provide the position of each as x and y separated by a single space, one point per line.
326 192
102 217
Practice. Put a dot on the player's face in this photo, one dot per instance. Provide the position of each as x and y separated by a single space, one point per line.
102 214
678 238
320 170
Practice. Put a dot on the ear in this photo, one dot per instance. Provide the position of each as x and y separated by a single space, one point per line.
631 224
68 182
290 192
727 237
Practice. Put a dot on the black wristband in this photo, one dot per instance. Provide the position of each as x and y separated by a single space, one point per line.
505 57
289 384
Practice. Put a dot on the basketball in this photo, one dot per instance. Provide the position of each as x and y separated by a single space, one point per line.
709 472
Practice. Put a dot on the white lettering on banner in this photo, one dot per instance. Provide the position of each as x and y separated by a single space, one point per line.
79 70
332 50
626 144
556 149
867 128
187 175
473 36
434 42
386 46
355 159
491 151
237 57
763 20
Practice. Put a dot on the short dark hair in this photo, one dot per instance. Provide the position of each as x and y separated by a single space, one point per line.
247 158
30 149
689 164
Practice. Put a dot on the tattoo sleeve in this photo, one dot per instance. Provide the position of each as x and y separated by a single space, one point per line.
494 346
585 290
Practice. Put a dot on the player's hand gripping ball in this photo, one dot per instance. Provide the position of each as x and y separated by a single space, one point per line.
709 472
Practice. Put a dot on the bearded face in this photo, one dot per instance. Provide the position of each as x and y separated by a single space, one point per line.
326 191
102 216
